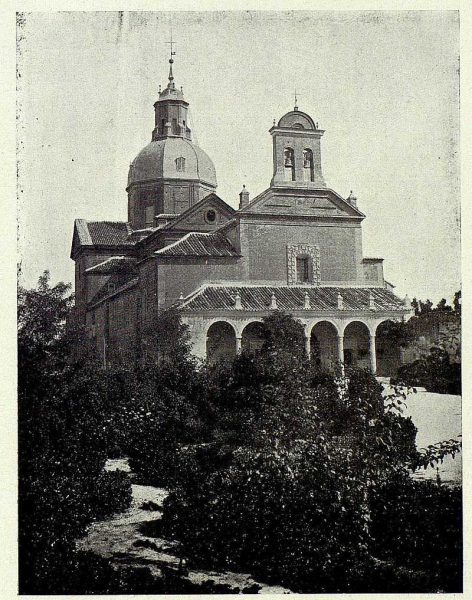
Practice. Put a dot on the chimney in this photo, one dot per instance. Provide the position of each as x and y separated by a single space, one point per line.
243 198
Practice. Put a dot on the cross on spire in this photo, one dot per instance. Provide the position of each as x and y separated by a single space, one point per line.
172 53
171 60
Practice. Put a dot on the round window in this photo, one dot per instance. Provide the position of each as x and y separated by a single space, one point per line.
210 216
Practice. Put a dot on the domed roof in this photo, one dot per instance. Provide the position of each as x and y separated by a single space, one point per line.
159 160
296 119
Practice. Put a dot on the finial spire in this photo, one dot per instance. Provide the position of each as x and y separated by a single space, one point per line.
296 101
171 61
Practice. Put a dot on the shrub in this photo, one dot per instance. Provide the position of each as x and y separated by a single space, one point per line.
435 372
418 524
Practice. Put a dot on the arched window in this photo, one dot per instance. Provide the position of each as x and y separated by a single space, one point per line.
308 172
289 164
163 124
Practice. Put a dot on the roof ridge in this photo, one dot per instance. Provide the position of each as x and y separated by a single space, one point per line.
173 244
111 258
193 294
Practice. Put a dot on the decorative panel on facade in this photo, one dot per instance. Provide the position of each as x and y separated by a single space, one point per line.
295 251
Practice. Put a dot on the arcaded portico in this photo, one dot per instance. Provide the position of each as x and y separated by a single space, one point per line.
344 332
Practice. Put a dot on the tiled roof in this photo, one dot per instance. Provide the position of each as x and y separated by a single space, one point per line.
109 233
199 244
113 264
258 298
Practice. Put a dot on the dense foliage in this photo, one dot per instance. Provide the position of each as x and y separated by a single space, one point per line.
286 486
435 372
62 444
418 525
298 476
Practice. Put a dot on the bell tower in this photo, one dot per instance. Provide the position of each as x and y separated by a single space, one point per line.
297 152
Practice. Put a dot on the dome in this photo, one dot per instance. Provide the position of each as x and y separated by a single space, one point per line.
295 119
160 160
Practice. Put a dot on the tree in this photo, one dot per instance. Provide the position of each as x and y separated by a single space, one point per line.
443 305
162 406
62 443
426 307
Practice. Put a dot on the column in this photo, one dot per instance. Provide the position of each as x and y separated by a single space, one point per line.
238 344
308 345
341 348
373 357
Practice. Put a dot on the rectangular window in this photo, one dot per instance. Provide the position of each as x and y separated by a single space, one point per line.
303 270
149 216
180 163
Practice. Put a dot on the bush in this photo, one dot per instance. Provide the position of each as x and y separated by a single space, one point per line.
418 525
284 517
434 372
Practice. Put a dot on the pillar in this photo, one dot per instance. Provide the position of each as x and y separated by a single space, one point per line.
341 353
238 344
373 357
341 348
308 345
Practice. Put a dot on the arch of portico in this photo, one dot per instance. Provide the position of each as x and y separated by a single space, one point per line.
252 336
330 335
389 354
322 343
221 341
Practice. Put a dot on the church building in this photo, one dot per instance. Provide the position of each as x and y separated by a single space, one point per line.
296 247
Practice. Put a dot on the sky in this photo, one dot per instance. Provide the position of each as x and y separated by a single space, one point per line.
384 85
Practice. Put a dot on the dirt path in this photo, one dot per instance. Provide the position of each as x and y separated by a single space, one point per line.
130 539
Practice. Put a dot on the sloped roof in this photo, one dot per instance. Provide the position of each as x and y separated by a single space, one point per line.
103 233
258 298
199 244
109 232
111 265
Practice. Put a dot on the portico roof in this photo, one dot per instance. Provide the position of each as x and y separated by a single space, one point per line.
288 298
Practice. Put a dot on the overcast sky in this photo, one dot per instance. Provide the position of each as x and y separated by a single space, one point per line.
384 86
